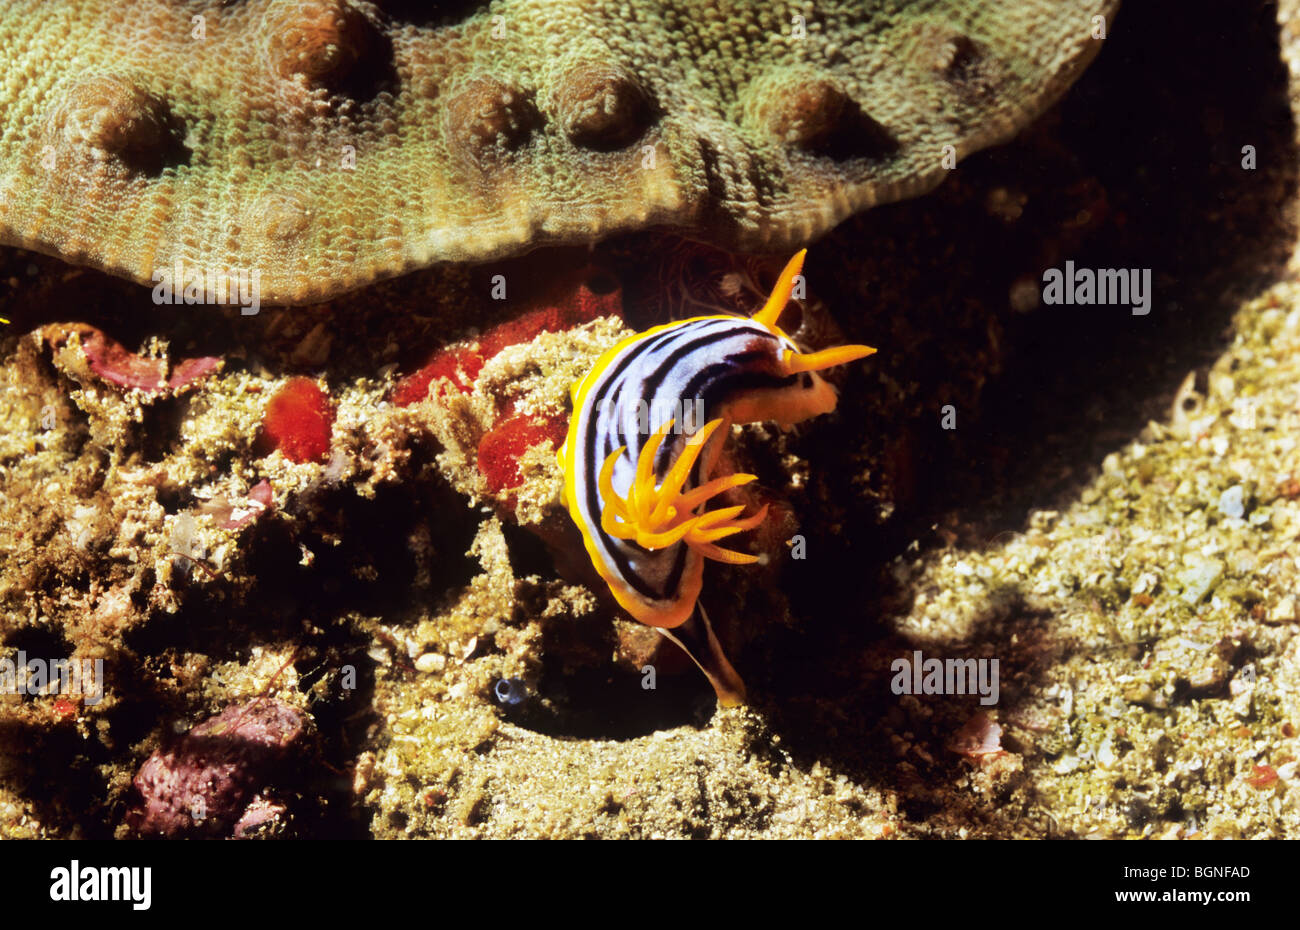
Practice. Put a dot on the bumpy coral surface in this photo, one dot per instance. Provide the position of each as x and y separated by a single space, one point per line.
320 144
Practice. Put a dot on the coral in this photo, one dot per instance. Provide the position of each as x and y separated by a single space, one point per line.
107 360
359 140
458 364
236 516
498 404
211 783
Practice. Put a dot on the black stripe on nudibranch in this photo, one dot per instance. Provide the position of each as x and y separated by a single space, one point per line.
651 384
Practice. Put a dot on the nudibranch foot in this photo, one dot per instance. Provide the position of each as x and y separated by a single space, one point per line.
695 638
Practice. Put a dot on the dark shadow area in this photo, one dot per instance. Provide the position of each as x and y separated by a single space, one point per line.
1140 167
376 69
424 13
78 786
374 570
611 704
856 135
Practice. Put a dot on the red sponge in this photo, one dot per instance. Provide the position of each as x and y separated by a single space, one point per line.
299 421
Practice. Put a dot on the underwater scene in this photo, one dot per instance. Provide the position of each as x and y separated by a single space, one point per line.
859 419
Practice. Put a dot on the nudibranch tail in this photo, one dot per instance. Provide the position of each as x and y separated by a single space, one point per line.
662 516
695 638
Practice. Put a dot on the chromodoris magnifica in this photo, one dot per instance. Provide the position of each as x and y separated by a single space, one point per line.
649 421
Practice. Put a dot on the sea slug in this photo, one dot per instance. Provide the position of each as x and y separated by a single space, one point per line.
649 421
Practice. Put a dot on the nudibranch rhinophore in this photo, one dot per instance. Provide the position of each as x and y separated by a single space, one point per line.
649 421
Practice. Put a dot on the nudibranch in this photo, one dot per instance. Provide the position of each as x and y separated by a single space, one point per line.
649 421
